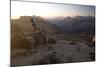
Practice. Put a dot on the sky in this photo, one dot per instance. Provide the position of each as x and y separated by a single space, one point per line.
49 10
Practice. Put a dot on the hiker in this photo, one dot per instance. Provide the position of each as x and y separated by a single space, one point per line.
33 24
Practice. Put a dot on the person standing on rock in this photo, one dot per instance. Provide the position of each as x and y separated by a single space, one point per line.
33 24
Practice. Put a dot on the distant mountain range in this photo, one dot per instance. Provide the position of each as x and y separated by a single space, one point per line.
58 24
75 24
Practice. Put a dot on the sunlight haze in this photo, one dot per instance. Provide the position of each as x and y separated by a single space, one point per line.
49 10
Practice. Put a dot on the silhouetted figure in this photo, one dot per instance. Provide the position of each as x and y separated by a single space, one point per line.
33 24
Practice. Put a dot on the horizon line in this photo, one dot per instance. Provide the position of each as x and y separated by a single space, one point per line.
18 17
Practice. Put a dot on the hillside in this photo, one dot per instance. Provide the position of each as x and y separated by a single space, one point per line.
47 47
